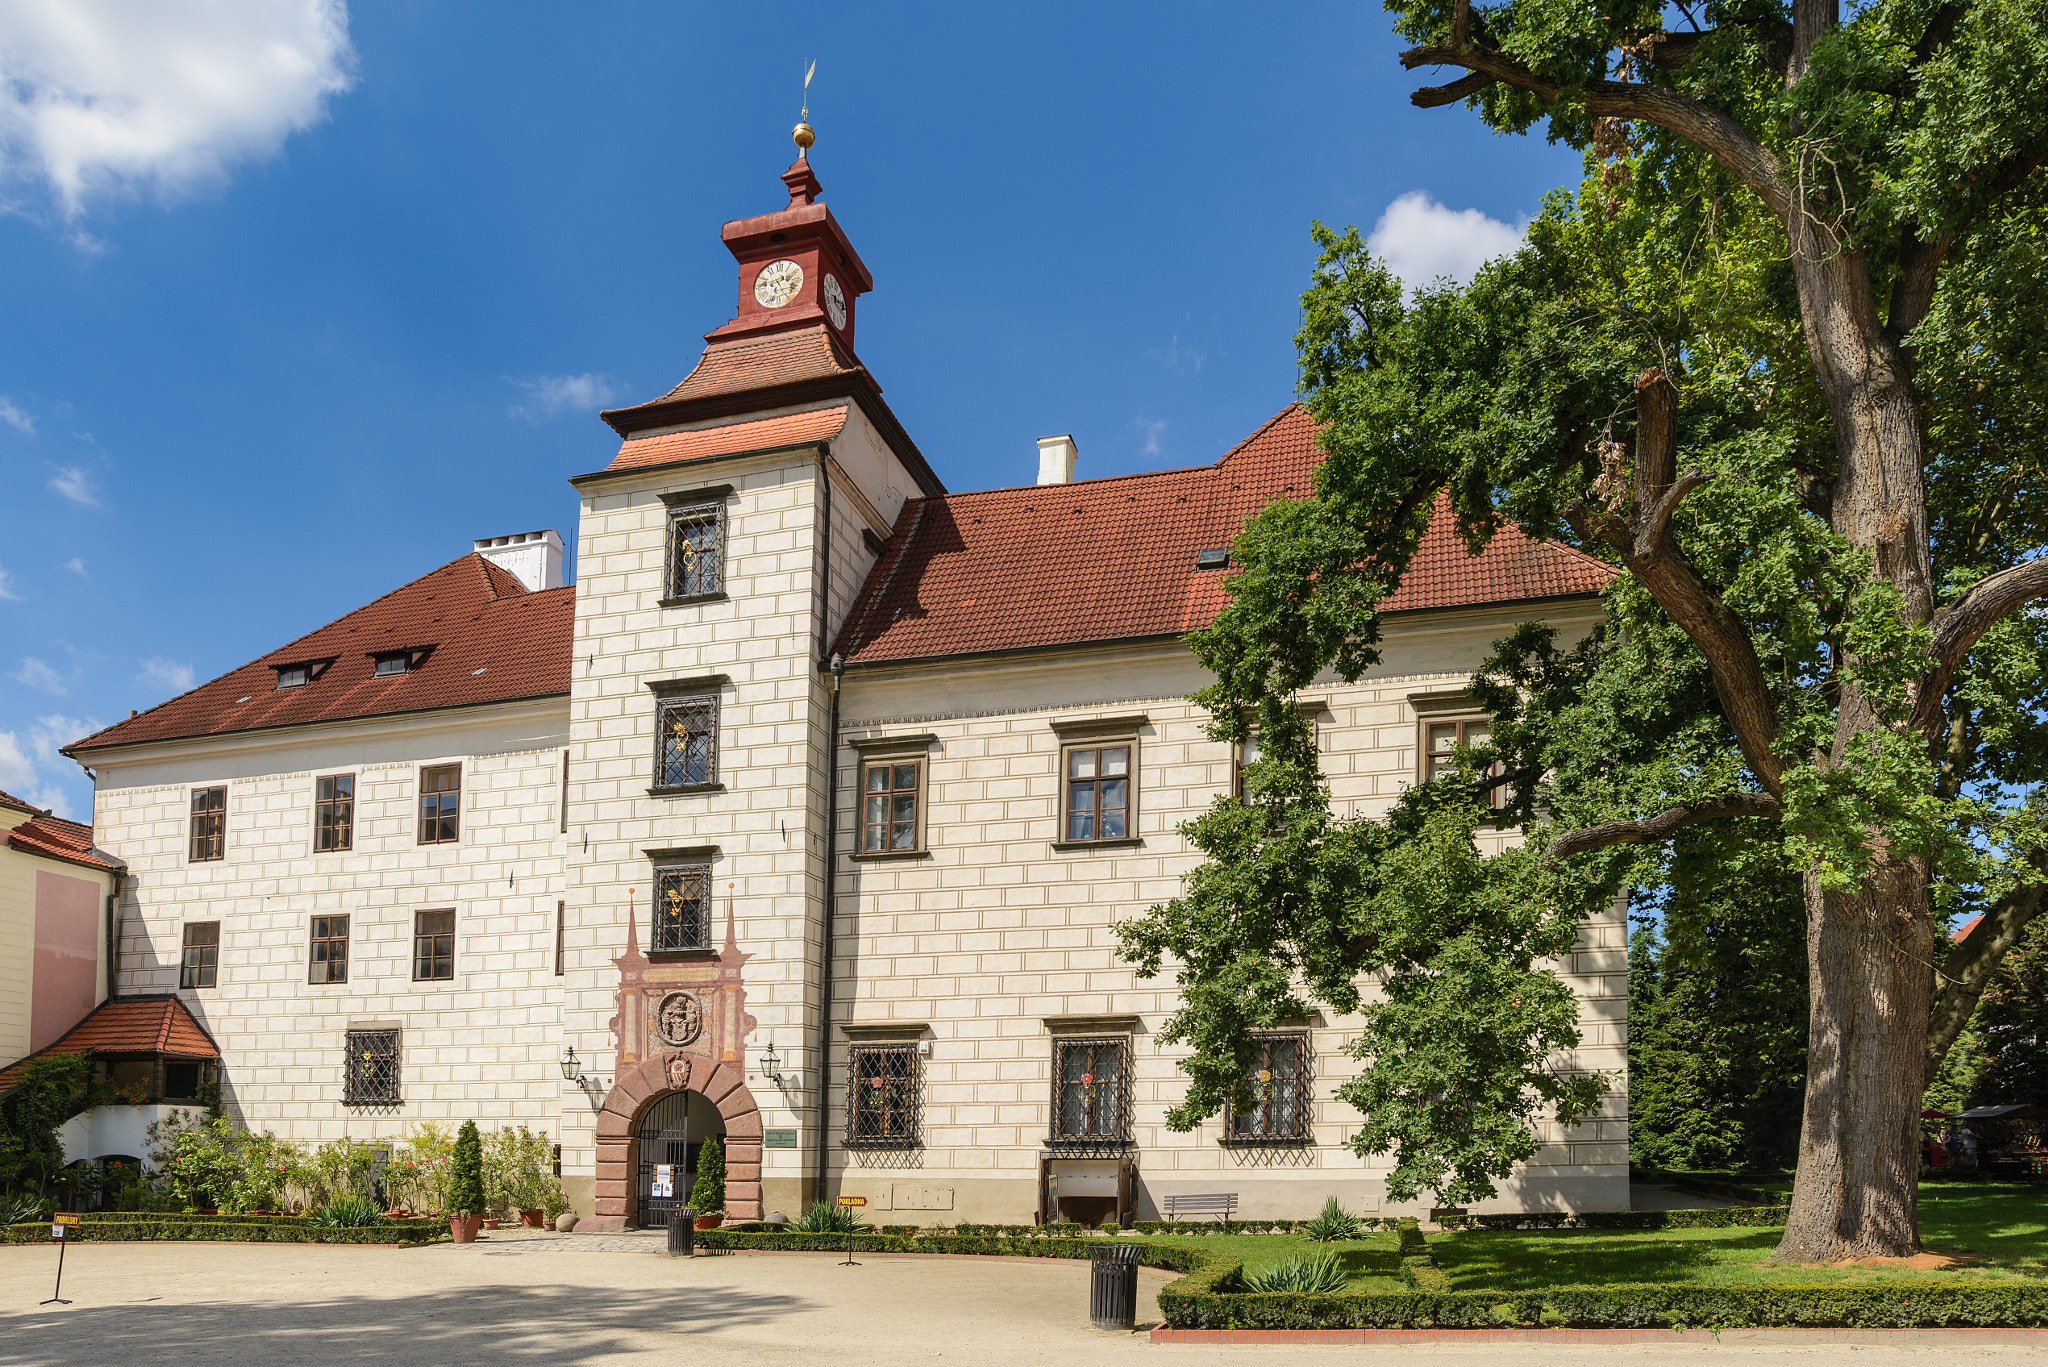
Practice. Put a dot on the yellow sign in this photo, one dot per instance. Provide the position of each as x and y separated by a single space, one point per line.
63 1218
853 1200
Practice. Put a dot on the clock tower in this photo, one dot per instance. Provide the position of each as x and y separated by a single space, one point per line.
796 267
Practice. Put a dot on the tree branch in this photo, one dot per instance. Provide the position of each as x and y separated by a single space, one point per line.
1431 96
1971 963
1663 825
1720 136
1962 623
1920 261
1643 537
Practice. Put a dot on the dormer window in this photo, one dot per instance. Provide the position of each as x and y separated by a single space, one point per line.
300 674
387 665
392 663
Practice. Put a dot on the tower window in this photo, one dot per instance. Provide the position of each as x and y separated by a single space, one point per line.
209 824
682 908
686 742
696 551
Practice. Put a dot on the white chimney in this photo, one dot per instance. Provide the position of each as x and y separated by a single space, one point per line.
1056 460
533 558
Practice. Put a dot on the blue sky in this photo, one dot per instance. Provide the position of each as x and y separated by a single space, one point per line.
299 300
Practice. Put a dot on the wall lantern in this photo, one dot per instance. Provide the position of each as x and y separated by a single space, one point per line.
770 1065
572 1067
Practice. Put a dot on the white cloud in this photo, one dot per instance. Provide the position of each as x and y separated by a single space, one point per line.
166 674
15 418
75 484
98 96
1420 240
1153 430
75 564
7 585
25 761
38 674
548 395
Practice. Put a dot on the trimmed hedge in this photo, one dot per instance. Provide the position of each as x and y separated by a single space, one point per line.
277 1230
1734 1218
1167 1256
129 1217
1714 1186
1249 1226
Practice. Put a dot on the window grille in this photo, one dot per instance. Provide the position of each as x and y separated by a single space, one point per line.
371 1076
327 960
682 907
687 742
1278 1084
696 548
334 812
1098 793
889 796
209 823
440 804
882 1097
201 960
433 946
1090 1093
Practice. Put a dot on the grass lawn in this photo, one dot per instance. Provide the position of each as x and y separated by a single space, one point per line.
2004 1226
1372 1262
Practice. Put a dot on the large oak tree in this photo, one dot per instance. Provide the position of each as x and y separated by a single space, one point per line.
1783 362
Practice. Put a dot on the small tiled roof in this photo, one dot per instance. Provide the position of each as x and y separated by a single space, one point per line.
491 640
765 434
751 363
1962 932
18 804
127 1025
1114 559
55 838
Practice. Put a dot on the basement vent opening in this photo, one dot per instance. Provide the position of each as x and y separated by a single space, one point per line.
1213 559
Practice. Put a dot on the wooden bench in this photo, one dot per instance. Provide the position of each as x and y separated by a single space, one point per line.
1222 1204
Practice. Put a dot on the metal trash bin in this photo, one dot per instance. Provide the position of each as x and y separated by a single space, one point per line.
1113 1286
682 1232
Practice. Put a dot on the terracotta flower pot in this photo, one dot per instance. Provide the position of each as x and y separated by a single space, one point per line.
711 1221
492 1222
464 1227
533 1219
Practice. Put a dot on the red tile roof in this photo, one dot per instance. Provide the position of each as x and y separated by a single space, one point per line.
1962 932
752 363
18 804
1114 559
55 838
766 434
127 1025
492 642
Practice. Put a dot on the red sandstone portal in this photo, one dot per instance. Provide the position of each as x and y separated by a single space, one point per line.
639 1085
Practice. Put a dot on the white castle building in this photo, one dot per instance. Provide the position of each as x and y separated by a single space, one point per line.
802 819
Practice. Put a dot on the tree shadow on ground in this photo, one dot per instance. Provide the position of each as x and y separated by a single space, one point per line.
1528 1261
535 1325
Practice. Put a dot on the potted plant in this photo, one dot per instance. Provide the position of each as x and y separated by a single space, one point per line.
707 1197
466 1185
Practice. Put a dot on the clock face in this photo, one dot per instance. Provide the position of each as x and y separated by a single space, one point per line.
835 302
778 283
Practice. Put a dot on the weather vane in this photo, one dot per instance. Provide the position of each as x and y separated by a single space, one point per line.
804 134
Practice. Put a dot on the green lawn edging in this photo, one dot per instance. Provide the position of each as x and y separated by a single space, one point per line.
1737 1217
230 1231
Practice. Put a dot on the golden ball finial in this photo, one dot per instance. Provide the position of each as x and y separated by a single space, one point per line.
803 135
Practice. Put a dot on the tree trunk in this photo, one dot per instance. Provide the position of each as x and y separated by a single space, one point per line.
1857 1191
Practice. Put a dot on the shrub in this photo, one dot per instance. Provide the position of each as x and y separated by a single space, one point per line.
1320 1273
418 1176
707 1197
466 1172
826 1218
1334 1223
347 1212
22 1210
516 1169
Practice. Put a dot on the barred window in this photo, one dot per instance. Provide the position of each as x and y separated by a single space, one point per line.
686 741
327 955
889 795
370 1077
1089 1101
334 812
433 946
881 1107
201 958
209 823
1098 788
682 907
1278 1085
440 804
696 548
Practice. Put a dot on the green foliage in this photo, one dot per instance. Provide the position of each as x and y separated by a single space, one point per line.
518 1165
1320 1273
466 1172
824 1217
348 1212
51 1090
161 1228
707 1196
2012 1019
1332 1224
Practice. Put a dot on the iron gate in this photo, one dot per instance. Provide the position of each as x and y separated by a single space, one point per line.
665 1140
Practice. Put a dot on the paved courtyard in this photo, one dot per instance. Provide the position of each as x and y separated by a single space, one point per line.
539 1300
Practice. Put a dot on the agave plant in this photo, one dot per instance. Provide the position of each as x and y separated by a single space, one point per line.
20 1210
825 1218
347 1212
1320 1273
1334 1223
